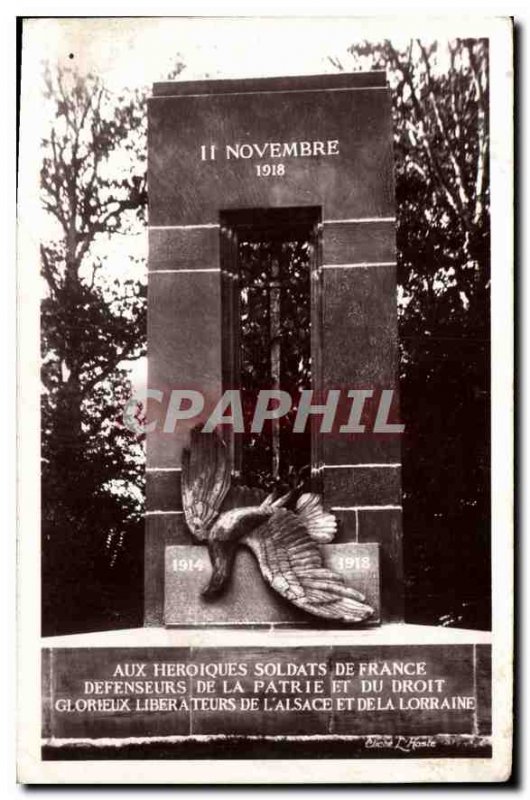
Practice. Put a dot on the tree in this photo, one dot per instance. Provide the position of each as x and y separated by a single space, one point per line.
93 188
441 143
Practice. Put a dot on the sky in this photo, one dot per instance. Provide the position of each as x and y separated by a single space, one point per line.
137 52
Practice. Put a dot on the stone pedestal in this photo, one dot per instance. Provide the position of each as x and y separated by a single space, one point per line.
203 700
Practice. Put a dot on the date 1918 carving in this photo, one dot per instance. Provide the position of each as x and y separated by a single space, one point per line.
270 170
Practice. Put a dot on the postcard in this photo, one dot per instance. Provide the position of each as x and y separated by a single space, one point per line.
265 397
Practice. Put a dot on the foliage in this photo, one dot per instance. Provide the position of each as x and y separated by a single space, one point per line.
93 188
441 144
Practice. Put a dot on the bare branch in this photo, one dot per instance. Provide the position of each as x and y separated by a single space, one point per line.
48 272
458 177
480 173
336 62
111 366
406 71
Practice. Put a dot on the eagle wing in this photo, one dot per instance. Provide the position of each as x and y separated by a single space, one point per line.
291 563
240 496
205 480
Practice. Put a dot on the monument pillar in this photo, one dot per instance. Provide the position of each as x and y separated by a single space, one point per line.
317 145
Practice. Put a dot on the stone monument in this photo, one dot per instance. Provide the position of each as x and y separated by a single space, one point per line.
271 266
257 169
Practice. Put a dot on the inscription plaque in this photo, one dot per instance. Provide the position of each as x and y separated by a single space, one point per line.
248 600
364 692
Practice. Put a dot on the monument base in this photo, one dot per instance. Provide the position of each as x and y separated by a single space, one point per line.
397 690
248 601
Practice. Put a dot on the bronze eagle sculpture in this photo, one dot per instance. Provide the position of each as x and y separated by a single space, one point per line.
284 533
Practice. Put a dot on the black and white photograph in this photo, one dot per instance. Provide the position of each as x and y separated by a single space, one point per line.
265 356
